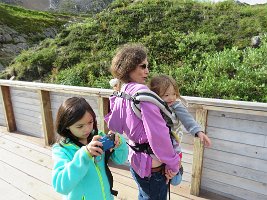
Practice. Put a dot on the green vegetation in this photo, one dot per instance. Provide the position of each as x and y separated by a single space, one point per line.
29 21
204 46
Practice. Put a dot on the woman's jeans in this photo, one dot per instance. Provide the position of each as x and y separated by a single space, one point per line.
151 188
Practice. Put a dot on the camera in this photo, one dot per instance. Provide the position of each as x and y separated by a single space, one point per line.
108 141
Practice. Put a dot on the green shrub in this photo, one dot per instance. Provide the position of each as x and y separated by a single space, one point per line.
204 46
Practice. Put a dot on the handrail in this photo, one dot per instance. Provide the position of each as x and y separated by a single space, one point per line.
201 105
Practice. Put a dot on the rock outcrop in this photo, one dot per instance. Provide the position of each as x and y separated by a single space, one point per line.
13 42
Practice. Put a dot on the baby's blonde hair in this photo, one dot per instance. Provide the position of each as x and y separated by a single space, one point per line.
159 84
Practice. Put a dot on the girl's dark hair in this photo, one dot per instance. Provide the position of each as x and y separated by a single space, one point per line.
159 84
127 58
69 112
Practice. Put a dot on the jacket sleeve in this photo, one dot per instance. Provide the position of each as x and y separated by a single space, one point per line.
186 118
112 118
158 136
120 154
68 172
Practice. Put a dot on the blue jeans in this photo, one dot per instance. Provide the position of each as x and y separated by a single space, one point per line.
151 188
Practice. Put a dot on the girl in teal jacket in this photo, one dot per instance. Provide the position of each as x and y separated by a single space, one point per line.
79 171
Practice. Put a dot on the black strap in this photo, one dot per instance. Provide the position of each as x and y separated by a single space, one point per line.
108 172
169 188
145 148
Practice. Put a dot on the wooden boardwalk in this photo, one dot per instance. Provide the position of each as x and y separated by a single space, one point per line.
25 172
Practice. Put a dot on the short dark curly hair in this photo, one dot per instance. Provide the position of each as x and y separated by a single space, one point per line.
127 58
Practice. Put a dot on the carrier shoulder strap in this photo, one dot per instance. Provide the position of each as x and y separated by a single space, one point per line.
147 96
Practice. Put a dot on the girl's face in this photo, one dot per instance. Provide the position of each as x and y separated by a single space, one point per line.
169 96
83 127
140 74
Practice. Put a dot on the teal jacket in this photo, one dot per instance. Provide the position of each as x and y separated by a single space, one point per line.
79 176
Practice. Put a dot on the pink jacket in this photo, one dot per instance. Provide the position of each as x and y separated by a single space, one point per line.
152 129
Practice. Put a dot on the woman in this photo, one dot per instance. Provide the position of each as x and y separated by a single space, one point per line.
130 66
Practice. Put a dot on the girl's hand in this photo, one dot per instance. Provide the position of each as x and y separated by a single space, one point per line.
94 147
116 141
204 139
169 174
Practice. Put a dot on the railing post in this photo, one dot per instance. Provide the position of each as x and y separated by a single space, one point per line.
8 109
103 107
47 119
201 118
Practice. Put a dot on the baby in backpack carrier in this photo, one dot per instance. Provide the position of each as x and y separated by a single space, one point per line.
166 88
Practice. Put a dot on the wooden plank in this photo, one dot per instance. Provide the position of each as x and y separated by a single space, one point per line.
235 181
240 149
236 136
243 116
235 170
209 102
229 105
25 100
103 107
201 117
27 113
239 160
188 149
10 192
2 113
35 118
238 125
26 166
22 92
230 191
27 183
187 139
26 107
27 152
47 119
30 128
58 88
237 110
8 109
29 141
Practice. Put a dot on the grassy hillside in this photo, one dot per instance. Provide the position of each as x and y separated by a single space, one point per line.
27 21
204 46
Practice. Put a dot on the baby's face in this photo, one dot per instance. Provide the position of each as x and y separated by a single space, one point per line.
116 87
169 96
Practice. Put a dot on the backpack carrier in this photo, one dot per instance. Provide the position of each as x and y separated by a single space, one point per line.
168 116
150 96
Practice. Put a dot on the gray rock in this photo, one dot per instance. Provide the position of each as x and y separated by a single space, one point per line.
7 38
19 39
1 67
255 41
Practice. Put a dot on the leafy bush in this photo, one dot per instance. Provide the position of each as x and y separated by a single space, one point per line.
205 46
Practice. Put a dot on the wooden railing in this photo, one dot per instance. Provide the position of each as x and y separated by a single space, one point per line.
19 97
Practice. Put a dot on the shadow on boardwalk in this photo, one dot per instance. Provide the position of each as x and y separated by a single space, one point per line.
25 172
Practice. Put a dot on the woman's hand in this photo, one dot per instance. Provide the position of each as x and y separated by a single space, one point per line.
117 141
204 139
94 147
169 174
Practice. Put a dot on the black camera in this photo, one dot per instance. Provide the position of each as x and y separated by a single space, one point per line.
108 141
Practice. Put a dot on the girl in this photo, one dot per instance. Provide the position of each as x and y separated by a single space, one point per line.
79 171
166 88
